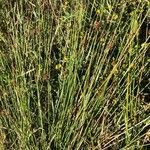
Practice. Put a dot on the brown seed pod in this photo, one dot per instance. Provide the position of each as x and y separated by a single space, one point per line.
96 25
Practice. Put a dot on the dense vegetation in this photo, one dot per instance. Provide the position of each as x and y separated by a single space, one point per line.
74 74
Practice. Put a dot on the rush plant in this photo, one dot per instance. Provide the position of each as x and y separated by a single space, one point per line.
74 74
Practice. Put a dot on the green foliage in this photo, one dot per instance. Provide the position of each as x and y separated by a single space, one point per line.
74 75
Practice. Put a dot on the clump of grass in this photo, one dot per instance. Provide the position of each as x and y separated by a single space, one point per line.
73 75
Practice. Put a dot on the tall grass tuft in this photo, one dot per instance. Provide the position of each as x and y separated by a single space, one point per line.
74 74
